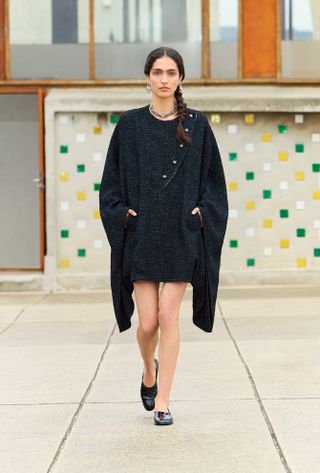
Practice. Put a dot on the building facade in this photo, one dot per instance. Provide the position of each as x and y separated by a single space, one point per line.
69 69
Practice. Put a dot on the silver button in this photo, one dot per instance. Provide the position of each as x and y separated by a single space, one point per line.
190 115
164 176
181 145
187 129
174 161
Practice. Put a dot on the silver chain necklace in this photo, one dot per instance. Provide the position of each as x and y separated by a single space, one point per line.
163 115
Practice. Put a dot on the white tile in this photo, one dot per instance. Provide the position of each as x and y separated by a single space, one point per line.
233 213
64 205
97 156
316 224
80 137
250 231
249 147
232 128
298 118
98 244
63 119
316 137
81 224
284 185
267 166
300 205
267 251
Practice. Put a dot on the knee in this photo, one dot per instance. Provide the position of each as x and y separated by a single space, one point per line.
167 318
149 328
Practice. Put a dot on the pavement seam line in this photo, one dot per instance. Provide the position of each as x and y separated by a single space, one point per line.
80 405
215 399
257 396
11 324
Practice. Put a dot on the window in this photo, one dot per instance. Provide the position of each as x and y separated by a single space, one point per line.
300 38
45 34
224 38
126 31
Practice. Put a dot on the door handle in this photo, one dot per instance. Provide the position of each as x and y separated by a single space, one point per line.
39 182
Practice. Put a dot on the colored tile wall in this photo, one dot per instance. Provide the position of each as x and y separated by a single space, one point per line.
272 167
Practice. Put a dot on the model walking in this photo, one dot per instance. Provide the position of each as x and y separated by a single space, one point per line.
164 207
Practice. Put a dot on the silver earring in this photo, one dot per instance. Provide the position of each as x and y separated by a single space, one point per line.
148 88
180 88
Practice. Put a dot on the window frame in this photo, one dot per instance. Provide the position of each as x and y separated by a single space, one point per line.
205 79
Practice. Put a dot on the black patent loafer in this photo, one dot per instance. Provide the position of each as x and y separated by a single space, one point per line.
148 394
163 418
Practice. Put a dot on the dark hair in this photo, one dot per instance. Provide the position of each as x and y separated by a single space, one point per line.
181 105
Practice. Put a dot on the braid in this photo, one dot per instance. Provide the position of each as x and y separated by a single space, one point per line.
182 135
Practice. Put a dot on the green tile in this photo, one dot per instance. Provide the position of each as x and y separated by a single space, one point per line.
114 118
96 186
233 156
299 148
266 193
81 168
316 251
301 232
64 233
249 176
81 252
316 167
64 149
284 213
250 262
282 129
233 243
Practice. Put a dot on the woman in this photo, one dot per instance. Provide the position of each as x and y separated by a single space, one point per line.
164 207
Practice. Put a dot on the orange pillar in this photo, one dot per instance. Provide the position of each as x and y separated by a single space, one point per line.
260 38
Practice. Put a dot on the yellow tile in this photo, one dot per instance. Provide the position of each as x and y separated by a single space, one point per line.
233 186
316 195
64 176
299 176
301 262
215 118
267 223
249 118
250 205
96 214
266 137
284 243
283 156
81 195
64 263
97 130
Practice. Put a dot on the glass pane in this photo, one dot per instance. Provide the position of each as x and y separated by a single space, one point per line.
224 38
300 43
126 31
45 35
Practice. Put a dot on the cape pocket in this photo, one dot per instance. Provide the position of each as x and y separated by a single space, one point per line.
194 221
131 222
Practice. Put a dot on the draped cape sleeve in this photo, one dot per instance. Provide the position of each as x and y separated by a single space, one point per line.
113 212
213 204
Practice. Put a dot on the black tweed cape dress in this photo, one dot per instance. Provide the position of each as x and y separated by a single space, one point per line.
149 170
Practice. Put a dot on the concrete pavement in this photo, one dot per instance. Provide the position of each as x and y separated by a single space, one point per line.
245 398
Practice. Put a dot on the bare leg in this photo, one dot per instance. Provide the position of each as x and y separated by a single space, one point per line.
146 295
170 299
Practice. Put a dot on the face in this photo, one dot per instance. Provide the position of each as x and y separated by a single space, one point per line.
164 73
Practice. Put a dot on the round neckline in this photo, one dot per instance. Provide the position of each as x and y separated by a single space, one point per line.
159 119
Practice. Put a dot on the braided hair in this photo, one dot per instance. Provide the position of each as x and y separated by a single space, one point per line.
157 53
